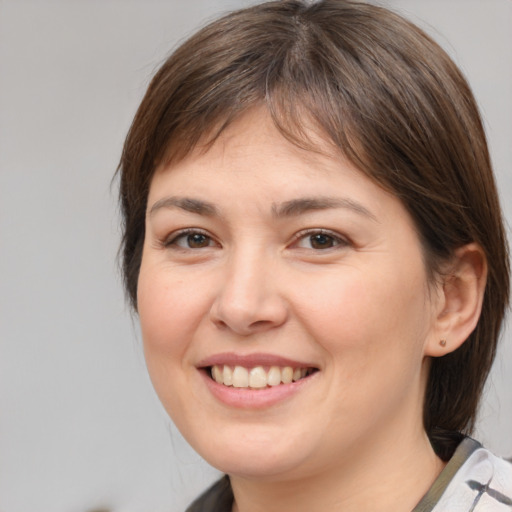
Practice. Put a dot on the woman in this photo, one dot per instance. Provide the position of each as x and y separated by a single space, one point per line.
314 246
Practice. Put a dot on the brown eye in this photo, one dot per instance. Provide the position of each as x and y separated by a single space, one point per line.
191 240
198 241
319 240
322 241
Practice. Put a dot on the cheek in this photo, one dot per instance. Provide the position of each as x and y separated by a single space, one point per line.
367 314
371 329
169 311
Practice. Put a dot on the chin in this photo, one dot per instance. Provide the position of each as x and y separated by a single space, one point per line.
253 454
255 466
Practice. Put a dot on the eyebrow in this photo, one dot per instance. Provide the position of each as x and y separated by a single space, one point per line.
292 208
306 204
185 203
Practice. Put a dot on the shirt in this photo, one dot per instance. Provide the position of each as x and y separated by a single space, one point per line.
474 480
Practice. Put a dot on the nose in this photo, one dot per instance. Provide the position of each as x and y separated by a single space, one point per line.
249 300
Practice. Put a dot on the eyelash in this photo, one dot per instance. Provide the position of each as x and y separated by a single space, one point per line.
333 237
172 241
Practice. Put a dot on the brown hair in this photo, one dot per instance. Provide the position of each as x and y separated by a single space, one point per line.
382 92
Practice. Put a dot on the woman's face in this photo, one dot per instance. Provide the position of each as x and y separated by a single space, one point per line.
264 263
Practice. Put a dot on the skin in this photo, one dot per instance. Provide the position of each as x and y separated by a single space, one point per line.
358 307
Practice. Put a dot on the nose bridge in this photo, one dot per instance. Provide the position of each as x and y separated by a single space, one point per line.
249 299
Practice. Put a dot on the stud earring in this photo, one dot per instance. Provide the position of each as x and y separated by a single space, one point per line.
442 343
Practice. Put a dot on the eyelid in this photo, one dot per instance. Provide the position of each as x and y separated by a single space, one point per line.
170 240
341 240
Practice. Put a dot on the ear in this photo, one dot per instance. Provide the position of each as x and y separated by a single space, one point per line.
460 297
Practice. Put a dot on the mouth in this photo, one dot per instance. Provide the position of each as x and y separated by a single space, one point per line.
257 377
255 381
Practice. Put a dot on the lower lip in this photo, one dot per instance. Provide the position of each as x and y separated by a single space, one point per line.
248 398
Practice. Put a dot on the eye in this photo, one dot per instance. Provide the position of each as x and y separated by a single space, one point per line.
190 239
319 240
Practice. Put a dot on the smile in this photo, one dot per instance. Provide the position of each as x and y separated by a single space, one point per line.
257 377
255 381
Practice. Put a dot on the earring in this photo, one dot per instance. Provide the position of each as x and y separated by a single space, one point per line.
442 343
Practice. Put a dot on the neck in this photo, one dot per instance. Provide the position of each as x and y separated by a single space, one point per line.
393 472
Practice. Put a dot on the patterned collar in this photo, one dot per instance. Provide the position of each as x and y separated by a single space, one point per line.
466 447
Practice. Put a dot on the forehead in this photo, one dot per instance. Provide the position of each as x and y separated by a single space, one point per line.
255 125
246 136
252 161
253 143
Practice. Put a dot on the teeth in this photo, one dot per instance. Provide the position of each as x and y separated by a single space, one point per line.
227 376
274 376
217 374
257 377
287 375
240 377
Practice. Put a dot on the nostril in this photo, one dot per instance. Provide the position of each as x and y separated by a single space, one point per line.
260 324
220 323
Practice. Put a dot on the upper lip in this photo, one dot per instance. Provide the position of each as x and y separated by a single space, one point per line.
251 360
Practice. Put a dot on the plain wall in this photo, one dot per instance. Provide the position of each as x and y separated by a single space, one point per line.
80 426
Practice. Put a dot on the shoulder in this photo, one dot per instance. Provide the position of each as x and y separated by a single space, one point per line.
218 498
477 480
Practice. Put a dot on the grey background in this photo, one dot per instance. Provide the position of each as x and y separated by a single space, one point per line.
80 427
